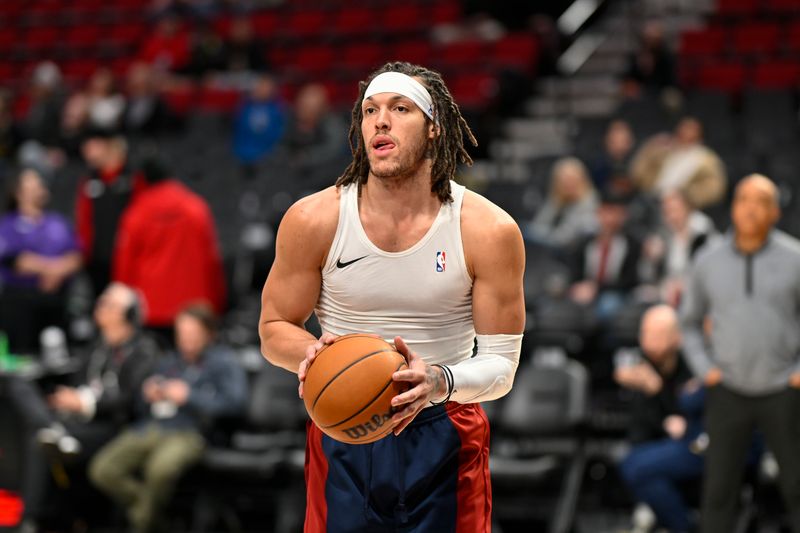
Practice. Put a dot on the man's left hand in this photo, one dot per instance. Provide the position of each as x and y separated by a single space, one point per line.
176 391
426 383
794 380
66 399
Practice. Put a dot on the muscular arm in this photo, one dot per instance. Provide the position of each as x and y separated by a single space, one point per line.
293 285
496 258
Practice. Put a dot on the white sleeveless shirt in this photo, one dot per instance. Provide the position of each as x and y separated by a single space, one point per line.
423 294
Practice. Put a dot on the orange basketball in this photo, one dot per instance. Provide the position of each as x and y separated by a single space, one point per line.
349 387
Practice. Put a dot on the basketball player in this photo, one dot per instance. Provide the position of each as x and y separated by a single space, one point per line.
398 249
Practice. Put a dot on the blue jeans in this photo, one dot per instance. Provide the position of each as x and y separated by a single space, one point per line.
653 471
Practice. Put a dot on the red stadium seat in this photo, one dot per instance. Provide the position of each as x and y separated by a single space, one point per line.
461 55
782 6
81 37
442 12
79 70
793 39
726 77
402 18
474 90
776 75
354 22
8 72
40 41
264 24
414 51
757 38
314 61
516 50
737 8
698 43
218 100
127 35
304 24
180 99
361 58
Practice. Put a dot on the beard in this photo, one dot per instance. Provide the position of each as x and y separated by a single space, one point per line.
406 163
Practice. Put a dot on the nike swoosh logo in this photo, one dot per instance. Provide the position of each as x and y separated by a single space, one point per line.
340 264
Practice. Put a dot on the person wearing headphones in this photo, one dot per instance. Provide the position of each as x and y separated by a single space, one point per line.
78 420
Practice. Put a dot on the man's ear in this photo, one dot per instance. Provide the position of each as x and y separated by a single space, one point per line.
433 130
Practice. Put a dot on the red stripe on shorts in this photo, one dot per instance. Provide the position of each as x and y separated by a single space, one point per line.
316 472
474 490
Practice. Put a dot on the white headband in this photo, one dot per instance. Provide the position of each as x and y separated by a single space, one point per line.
396 82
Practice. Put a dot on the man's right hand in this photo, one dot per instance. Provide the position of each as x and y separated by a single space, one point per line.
311 353
713 377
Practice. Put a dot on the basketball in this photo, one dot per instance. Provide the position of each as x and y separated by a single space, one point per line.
349 387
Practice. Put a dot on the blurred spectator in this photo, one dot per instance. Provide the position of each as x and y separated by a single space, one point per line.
167 248
749 287
74 124
259 123
187 392
668 253
681 162
315 136
667 418
46 94
612 166
39 132
38 255
76 421
102 197
167 49
9 131
570 210
652 66
606 264
206 51
242 50
106 104
146 112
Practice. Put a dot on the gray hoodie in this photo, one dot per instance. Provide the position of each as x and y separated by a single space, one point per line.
754 304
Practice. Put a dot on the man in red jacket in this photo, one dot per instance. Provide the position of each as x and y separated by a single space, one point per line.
167 248
102 197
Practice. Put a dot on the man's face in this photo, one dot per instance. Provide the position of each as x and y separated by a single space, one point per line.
755 208
191 338
675 211
611 217
109 311
659 341
94 150
396 135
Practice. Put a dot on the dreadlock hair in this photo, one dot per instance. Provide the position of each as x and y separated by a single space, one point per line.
447 147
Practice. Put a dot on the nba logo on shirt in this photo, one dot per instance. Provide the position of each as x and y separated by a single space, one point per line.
440 261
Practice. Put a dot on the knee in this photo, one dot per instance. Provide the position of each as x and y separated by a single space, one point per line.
102 472
160 473
631 470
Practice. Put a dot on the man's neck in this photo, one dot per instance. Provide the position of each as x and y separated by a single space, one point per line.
401 197
30 211
112 164
118 335
748 244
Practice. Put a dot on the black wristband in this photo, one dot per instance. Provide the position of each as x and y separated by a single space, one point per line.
448 378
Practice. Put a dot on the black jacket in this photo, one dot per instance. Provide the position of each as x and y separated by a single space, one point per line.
115 375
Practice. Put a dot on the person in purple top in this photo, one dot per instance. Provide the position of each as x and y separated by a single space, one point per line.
38 256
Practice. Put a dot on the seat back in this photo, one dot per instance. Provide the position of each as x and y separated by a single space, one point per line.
273 403
550 396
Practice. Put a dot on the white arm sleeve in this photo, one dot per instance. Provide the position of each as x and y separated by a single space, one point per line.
490 374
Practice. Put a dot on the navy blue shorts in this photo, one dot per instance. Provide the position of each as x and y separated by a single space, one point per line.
434 477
